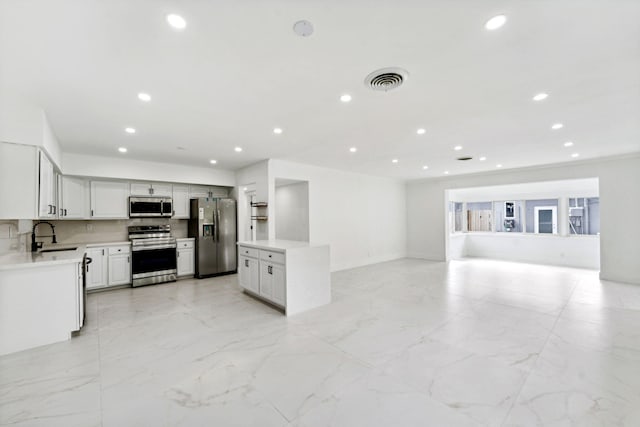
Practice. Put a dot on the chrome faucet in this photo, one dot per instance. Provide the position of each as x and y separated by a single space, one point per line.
37 245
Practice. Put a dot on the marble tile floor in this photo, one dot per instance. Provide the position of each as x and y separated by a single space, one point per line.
404 343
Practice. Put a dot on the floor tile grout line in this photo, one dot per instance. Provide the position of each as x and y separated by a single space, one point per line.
553 327
99 358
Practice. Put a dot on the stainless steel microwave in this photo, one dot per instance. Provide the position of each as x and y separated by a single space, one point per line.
149 207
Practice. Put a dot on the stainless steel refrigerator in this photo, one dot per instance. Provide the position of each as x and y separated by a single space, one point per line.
213 224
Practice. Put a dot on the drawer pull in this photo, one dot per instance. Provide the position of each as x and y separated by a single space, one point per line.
269 256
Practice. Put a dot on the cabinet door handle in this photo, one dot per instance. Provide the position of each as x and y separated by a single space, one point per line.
91 212
178 252
54 210
270 269
246 263
103 252
128 260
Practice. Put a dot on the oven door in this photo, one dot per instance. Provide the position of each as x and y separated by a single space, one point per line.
153 265
141 207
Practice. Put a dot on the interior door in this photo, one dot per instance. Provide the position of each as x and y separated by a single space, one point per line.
546 219
226 235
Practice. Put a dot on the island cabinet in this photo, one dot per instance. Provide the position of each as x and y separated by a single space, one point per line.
291 275
41 299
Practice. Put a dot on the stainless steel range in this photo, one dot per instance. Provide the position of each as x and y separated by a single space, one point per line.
153 253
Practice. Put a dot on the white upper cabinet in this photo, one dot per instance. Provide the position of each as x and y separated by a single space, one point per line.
109 199
197 191
73 198
181 201
149 189
161 190
18 181
47 206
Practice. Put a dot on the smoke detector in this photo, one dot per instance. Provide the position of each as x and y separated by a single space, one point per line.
386 79
303 28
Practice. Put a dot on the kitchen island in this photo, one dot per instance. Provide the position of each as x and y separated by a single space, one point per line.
41 298
291 275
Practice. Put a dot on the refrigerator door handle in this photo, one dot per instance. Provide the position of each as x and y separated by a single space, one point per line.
218 226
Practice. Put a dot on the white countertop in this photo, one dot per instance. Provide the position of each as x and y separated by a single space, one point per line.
36 259
281 245
99 245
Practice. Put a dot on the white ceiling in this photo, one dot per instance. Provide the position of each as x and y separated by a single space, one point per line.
238 70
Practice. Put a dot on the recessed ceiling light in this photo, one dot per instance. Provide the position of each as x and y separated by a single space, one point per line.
425 167
458 147
129 130
238 149
176 21
498 165
277 131
482 159
353 149
244 188
575 155
557 126
568 144
540 96
345 98
394 161
421 131
495 22
122 150
446 172
144 97
213 162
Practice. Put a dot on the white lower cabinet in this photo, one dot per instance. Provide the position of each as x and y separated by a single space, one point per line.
263 273
97 270
186 257
272 283
110 266
119 265
248 274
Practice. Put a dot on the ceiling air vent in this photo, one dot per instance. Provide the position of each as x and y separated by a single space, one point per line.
465 158
386 79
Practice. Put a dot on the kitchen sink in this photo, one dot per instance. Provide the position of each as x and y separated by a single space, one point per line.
57 250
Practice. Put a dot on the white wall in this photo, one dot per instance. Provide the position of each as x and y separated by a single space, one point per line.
123 168
292 212
362 218
571 251
22 122
255 176
619 203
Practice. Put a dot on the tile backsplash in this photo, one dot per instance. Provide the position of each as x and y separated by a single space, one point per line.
108 230
10 240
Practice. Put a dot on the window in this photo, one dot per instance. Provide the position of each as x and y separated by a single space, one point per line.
455 217
584 215
542 216
509 216
479 216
